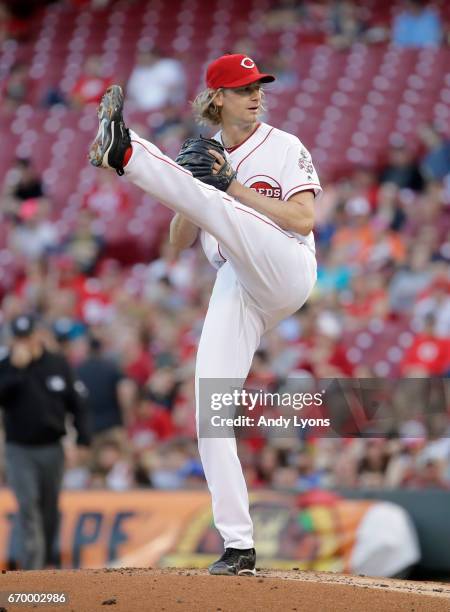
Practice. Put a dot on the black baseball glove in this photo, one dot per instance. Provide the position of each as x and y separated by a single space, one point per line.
194 156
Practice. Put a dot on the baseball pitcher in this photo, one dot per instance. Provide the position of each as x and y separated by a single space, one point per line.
250 192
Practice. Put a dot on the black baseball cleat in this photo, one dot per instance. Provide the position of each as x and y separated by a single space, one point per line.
235 562
113 138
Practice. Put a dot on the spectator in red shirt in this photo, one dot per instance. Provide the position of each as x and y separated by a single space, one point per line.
136 357
429 355
91 84
151 423
328 358
66 278
107 198
368 298
321 350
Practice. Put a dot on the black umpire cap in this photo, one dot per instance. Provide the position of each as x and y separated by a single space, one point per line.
23 326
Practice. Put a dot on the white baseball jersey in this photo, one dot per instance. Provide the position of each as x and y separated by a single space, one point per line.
274 163
254 289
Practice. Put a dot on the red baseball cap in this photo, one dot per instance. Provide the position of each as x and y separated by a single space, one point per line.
235 70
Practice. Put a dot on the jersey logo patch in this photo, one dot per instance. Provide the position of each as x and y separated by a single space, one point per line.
265 185
56 383
305 163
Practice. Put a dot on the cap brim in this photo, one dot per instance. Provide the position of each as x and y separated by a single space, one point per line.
264 78
22 334
17 332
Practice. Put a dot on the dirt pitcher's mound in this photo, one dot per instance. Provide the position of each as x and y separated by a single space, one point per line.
145 590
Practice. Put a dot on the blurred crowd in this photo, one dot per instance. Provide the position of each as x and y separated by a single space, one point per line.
410 24
130 330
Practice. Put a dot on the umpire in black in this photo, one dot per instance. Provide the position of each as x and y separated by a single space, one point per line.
37 391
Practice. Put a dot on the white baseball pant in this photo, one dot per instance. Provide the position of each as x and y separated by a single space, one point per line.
268 276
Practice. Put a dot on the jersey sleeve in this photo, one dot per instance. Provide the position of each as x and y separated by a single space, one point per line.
299 173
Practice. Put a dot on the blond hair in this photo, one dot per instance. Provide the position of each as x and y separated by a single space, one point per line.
206 110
